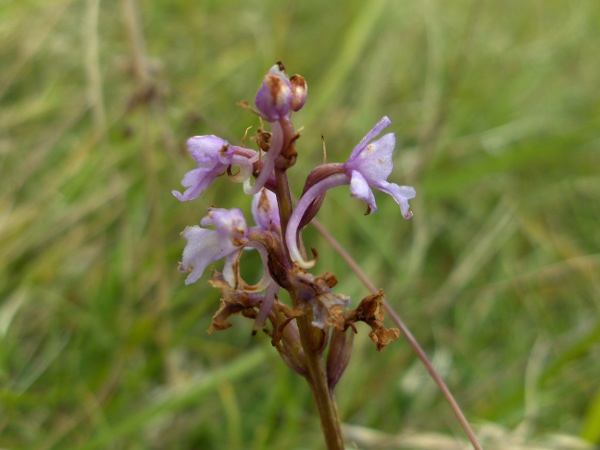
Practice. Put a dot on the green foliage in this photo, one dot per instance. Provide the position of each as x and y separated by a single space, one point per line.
496 110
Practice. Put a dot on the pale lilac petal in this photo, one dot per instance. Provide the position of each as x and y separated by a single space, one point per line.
202 249
374 161
245 166
206 246
196 180
266 306
402 194
264 256
359 188
208 221
229 238
231 227
206 149
375 131
213 157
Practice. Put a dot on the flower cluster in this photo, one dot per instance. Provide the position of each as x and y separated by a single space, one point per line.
317 316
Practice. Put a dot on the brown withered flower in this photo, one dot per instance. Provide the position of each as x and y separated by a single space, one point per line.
370 311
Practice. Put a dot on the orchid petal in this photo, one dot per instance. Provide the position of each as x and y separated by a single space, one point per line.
374 161
359 188
213 156
266 278
266 306
201 250
401 194
231 227
372 134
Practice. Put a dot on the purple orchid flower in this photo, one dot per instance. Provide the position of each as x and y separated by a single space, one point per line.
369 166
230 236
213 157
266 215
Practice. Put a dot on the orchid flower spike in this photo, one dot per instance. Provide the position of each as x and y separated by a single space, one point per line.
369 166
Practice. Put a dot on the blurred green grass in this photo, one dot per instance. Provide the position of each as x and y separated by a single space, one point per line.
495 106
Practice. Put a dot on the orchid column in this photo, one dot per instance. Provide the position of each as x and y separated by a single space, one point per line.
318 321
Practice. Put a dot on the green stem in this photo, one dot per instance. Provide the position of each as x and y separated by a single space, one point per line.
311 338
317 380
284 199
284 195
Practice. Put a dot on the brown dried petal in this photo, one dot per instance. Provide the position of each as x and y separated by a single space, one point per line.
262 139
327 307
370 310
288 312
382 336
309 286
328 310
232 302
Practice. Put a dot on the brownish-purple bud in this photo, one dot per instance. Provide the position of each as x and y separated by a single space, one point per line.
274 97
340 350
299 91
291 350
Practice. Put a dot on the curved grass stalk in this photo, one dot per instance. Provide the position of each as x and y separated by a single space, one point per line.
464 423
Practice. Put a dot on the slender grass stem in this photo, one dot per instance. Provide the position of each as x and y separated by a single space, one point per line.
405 331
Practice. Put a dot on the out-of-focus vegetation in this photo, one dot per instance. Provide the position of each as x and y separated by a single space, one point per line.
496 109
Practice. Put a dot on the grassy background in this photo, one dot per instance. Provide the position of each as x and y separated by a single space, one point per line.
495 106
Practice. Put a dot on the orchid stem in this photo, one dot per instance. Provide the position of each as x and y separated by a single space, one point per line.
316 376
284 199
317 380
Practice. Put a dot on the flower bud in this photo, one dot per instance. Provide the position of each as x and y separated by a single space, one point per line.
340 350
291 349
265 209
274 97
299 90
